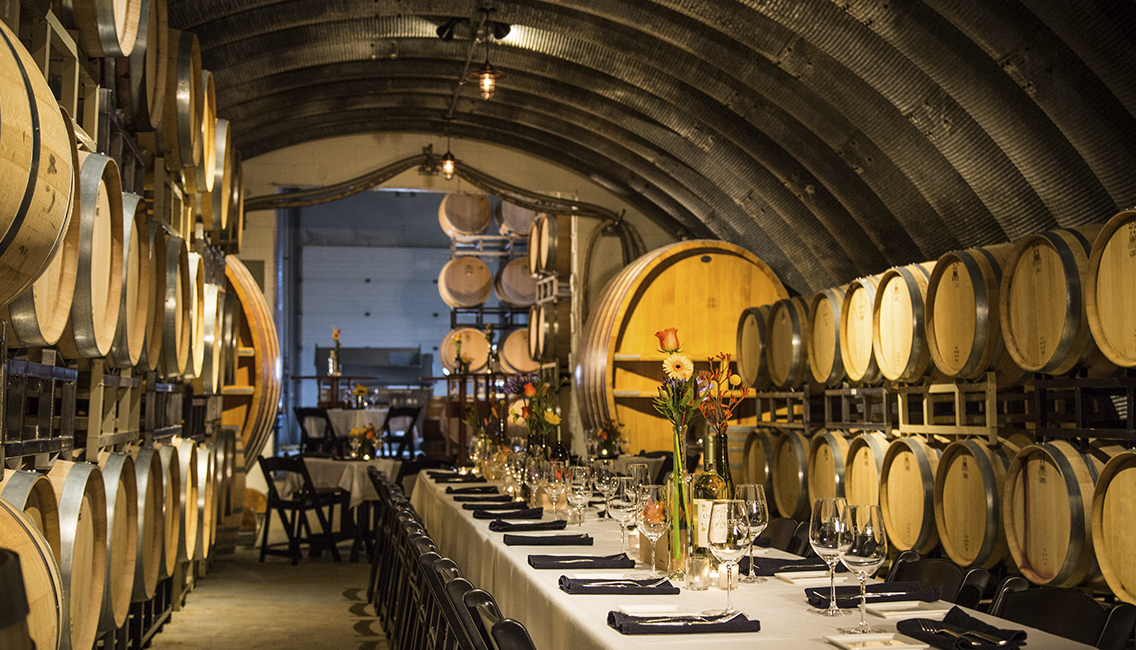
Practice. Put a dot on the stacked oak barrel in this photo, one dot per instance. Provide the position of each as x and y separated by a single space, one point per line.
1056 304
115 265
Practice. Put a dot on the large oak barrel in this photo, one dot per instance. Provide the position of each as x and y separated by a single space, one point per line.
534 245
14 632
827 453
550 331
142 75
1113 499
618 349
134 309
787 353
898 340
753 368
968 503
465 215
107 28
177 323
206 506
33 493
1046 503
907 494
856 318
83 538
221 196
465 282
791 475
156 304
172 542
554 255
150 556
514 352
188 490
209 381
474 347
1109 287
233 236
43 584
98 283
862 465
757 460
196 309
122 538
36 179
1044 322
514 219
515 285
823 327
199 178
185 103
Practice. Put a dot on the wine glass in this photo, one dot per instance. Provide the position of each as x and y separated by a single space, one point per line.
865 552
757 512
534 476
555 482
638 472
622 506
653 517
603 476
579 489
827 537
729 537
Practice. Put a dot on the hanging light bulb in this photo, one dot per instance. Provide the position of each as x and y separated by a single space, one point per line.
487 75
448 165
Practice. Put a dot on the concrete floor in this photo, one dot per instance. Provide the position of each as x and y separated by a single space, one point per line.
242 604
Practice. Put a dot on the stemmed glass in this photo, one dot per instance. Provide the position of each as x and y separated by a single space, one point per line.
534 476
729 536
579 489
865 552
653 517
622 506
827 536
757 512
555 482
638 472
603 476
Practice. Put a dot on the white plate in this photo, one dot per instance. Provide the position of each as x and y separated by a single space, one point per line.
900 610
806 578
655 610
890 640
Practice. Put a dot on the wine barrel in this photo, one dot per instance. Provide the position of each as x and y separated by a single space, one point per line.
862 464
43 583
149 556
14 632
554 255
827 453
196 309
823 342
474 347
180 131
757 460
465 282
98 284
550 331
465 215
907 494
209 381
142 75
968 503
964 330
856 318
538 225
898 339
618 358
751 347
189 488
134 307
172 543
33 493
36 183
206 505
1046 505
156 304
515 355
200 177
256 331
83 537
1113 497
177 324
1042 310
515 285
221 196
791 475
233 236
787 353
1109 287
736 437
122 538
107 28
514 219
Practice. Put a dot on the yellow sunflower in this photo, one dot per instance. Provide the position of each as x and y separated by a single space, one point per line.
678 367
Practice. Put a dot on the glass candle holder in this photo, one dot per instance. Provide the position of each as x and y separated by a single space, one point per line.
698 574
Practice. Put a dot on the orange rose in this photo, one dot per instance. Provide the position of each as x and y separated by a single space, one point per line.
668 340
530 390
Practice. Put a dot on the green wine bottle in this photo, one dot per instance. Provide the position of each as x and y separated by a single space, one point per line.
722 463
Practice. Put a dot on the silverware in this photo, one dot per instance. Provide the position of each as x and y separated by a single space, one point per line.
931 628
630 582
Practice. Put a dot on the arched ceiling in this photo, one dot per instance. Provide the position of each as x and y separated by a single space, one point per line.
833 138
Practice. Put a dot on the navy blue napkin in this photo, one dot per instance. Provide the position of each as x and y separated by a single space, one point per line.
529 513
615 586
960 621
477 489
457 478
499 526
576 562
462 498
718 623
767 566
848 596
548 540
519 505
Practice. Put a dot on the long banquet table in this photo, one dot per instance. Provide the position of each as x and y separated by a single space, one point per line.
558 621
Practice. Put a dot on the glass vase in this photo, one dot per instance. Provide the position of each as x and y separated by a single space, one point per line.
682 508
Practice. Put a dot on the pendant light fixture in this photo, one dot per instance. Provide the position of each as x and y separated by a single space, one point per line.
449 163
487 75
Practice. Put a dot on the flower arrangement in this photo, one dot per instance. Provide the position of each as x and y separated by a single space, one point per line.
716 408
537 412
364 440
360 390
461 364
609 436
333 357
489 336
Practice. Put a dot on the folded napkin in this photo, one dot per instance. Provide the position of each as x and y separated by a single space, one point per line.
457 478
548 540
767 566
462 498
477 489
442 473
574 562
848 596
499 526
629 587
718 623
960 621
528 513
519 505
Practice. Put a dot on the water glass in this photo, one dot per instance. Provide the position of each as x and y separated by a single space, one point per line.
865 551
827 536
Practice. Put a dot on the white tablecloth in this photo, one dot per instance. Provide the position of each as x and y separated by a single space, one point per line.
558 621
350 475
344 420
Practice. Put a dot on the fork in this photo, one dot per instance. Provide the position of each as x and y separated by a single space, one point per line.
929 627
628 581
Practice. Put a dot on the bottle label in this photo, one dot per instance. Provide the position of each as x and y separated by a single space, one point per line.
702 509
717 527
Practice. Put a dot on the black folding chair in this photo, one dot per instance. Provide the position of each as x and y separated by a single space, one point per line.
1065 612
405 441
780 533
317 436
500 633
293 511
